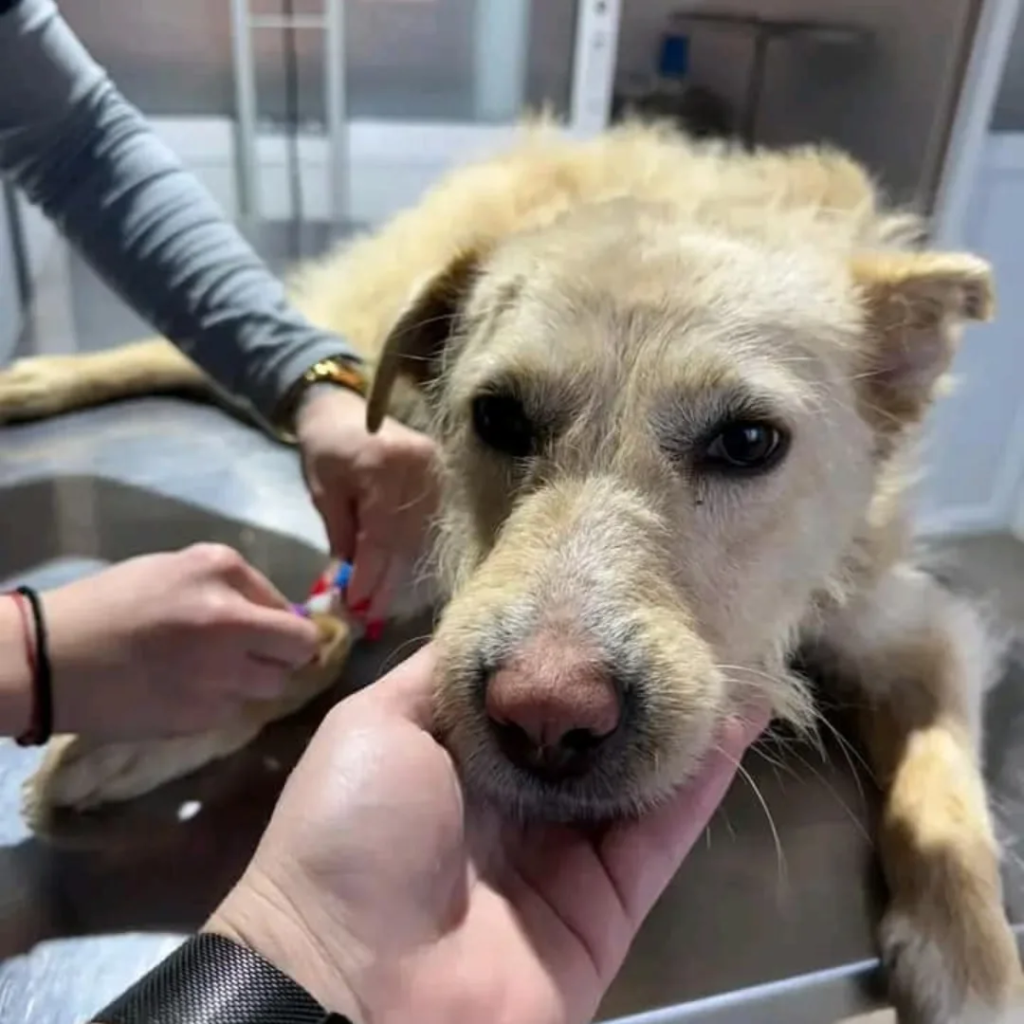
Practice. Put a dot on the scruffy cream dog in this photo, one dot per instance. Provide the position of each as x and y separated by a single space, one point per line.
674 387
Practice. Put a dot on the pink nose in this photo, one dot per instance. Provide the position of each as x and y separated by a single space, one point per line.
552 704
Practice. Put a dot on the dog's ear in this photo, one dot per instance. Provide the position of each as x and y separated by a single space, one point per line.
416 342
915 305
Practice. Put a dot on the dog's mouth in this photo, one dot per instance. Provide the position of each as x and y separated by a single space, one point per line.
528 794
580 780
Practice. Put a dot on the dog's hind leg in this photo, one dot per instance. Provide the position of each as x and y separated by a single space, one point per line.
41 386
922 660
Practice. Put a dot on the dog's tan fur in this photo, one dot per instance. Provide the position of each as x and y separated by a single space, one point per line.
628 289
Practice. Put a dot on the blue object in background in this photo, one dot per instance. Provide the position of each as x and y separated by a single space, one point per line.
674 98
674 59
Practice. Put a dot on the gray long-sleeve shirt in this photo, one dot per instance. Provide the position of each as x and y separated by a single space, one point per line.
148 227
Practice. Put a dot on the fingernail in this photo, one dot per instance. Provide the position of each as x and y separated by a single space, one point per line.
301 609
374 630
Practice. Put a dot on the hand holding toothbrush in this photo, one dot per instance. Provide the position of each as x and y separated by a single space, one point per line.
375 492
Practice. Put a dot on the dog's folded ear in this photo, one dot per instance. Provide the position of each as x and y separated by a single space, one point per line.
915 304
416 343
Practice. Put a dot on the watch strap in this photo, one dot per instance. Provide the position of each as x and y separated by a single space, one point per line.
211 980
343 371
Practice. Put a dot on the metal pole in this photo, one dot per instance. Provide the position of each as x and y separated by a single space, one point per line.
22 273
336 106
246 162
594 59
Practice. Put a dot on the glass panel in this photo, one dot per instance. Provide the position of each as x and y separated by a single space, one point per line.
1009 111
443 60
436 62
170 59
480 61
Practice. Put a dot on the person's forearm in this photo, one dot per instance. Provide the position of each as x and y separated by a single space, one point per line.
87 158
15 671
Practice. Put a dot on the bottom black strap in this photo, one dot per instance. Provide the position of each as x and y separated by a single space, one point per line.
211 980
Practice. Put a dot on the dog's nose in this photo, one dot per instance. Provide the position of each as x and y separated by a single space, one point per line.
551 707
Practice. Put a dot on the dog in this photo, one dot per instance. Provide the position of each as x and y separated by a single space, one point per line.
675 388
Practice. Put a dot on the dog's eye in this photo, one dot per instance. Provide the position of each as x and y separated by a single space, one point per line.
745 446
501 422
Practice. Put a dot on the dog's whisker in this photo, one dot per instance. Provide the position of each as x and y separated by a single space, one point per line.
396 655
780 856
794 752
854 758
417 325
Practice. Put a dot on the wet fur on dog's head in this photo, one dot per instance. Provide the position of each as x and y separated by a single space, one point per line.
592 381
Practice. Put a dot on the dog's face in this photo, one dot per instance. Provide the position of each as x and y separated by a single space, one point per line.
658 444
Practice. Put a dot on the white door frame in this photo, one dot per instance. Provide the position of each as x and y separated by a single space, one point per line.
972 119
962 173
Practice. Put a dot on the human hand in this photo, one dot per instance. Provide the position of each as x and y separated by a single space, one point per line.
389 899
170 643
375 492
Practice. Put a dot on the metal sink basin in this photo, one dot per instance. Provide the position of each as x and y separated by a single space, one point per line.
763 925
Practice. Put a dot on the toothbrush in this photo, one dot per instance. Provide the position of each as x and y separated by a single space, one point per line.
329 586
329 591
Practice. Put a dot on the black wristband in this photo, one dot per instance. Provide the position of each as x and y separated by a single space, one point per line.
42 681
212 980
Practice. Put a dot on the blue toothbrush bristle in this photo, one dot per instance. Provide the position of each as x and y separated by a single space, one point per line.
343 575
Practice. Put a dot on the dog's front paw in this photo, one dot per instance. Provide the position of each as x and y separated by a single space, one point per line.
953 965
79 774
38 387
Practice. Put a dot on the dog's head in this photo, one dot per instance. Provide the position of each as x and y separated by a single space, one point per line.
658 444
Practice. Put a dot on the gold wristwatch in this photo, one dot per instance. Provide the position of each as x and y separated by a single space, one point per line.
340 371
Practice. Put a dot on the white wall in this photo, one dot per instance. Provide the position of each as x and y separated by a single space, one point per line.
975 450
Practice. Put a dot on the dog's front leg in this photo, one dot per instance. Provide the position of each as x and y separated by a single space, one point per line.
922 660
